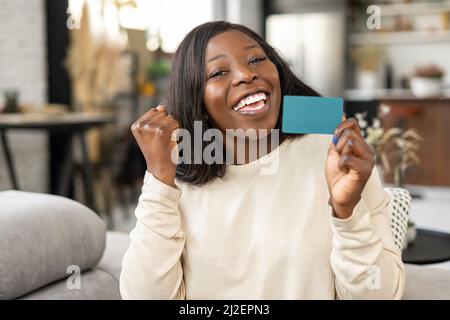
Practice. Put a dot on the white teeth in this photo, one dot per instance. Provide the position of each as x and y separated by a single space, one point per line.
250 99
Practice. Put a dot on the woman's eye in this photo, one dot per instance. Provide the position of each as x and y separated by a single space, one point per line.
217 74
257 59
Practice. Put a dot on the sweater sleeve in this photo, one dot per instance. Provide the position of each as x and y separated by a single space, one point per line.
364 258
151 267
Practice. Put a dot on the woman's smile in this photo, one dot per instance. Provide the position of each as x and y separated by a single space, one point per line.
253 104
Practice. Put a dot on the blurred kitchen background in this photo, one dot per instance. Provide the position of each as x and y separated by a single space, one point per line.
75 74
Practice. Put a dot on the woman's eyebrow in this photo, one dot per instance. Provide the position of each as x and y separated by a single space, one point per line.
223 56
215 58
250 47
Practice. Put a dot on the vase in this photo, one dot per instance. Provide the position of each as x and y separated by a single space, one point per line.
411 234
426 87
367 80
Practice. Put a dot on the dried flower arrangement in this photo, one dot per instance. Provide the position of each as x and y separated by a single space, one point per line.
429 71
394 143
405 143
367 57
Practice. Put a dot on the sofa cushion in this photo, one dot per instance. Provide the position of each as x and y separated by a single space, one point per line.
425 283
94 285
117 244
42 235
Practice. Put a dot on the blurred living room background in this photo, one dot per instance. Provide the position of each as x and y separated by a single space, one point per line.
75 74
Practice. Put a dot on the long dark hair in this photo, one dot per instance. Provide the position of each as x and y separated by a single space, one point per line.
187 83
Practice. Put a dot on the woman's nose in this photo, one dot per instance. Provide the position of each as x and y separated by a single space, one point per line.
243 74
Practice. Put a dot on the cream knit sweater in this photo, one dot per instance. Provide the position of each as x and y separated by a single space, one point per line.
251 235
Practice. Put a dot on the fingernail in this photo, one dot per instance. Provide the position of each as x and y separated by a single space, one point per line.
335 139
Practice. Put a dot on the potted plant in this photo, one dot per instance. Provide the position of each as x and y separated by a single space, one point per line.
157 73
427 81
395 145
11 101
367 58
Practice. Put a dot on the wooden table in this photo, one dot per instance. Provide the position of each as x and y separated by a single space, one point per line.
69 125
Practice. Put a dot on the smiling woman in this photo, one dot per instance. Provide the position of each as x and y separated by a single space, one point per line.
218 67
315 227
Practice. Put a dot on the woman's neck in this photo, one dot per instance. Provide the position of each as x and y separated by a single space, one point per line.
246 150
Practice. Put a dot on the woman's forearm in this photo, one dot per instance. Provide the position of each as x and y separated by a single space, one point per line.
364 258
151 267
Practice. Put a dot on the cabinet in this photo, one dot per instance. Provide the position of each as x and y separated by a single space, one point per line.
431 117
407 22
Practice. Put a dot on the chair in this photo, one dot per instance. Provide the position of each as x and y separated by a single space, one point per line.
399 206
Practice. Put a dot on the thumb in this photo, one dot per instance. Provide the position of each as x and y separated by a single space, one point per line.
174 146
332 149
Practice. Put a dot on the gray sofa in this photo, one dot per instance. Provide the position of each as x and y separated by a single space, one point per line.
55 248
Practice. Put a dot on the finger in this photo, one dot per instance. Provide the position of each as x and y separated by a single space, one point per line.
349 162
346 135
142 118
152 111
152 118
149 123
343 139
349 148
147 114
357 143
359 149
174 136
169 122
156 118
166 126
172 131
349 123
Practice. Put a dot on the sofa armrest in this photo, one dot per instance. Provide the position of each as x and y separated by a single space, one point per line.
42 235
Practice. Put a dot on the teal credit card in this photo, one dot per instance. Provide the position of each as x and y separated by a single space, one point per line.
306 114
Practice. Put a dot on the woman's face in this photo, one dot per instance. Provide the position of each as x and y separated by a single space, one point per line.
242 89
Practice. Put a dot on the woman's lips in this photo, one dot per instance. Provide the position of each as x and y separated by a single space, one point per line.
255 108
250 99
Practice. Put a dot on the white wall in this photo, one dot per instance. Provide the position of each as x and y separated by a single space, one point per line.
22 48
405 57
316 57
23 67
246 12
